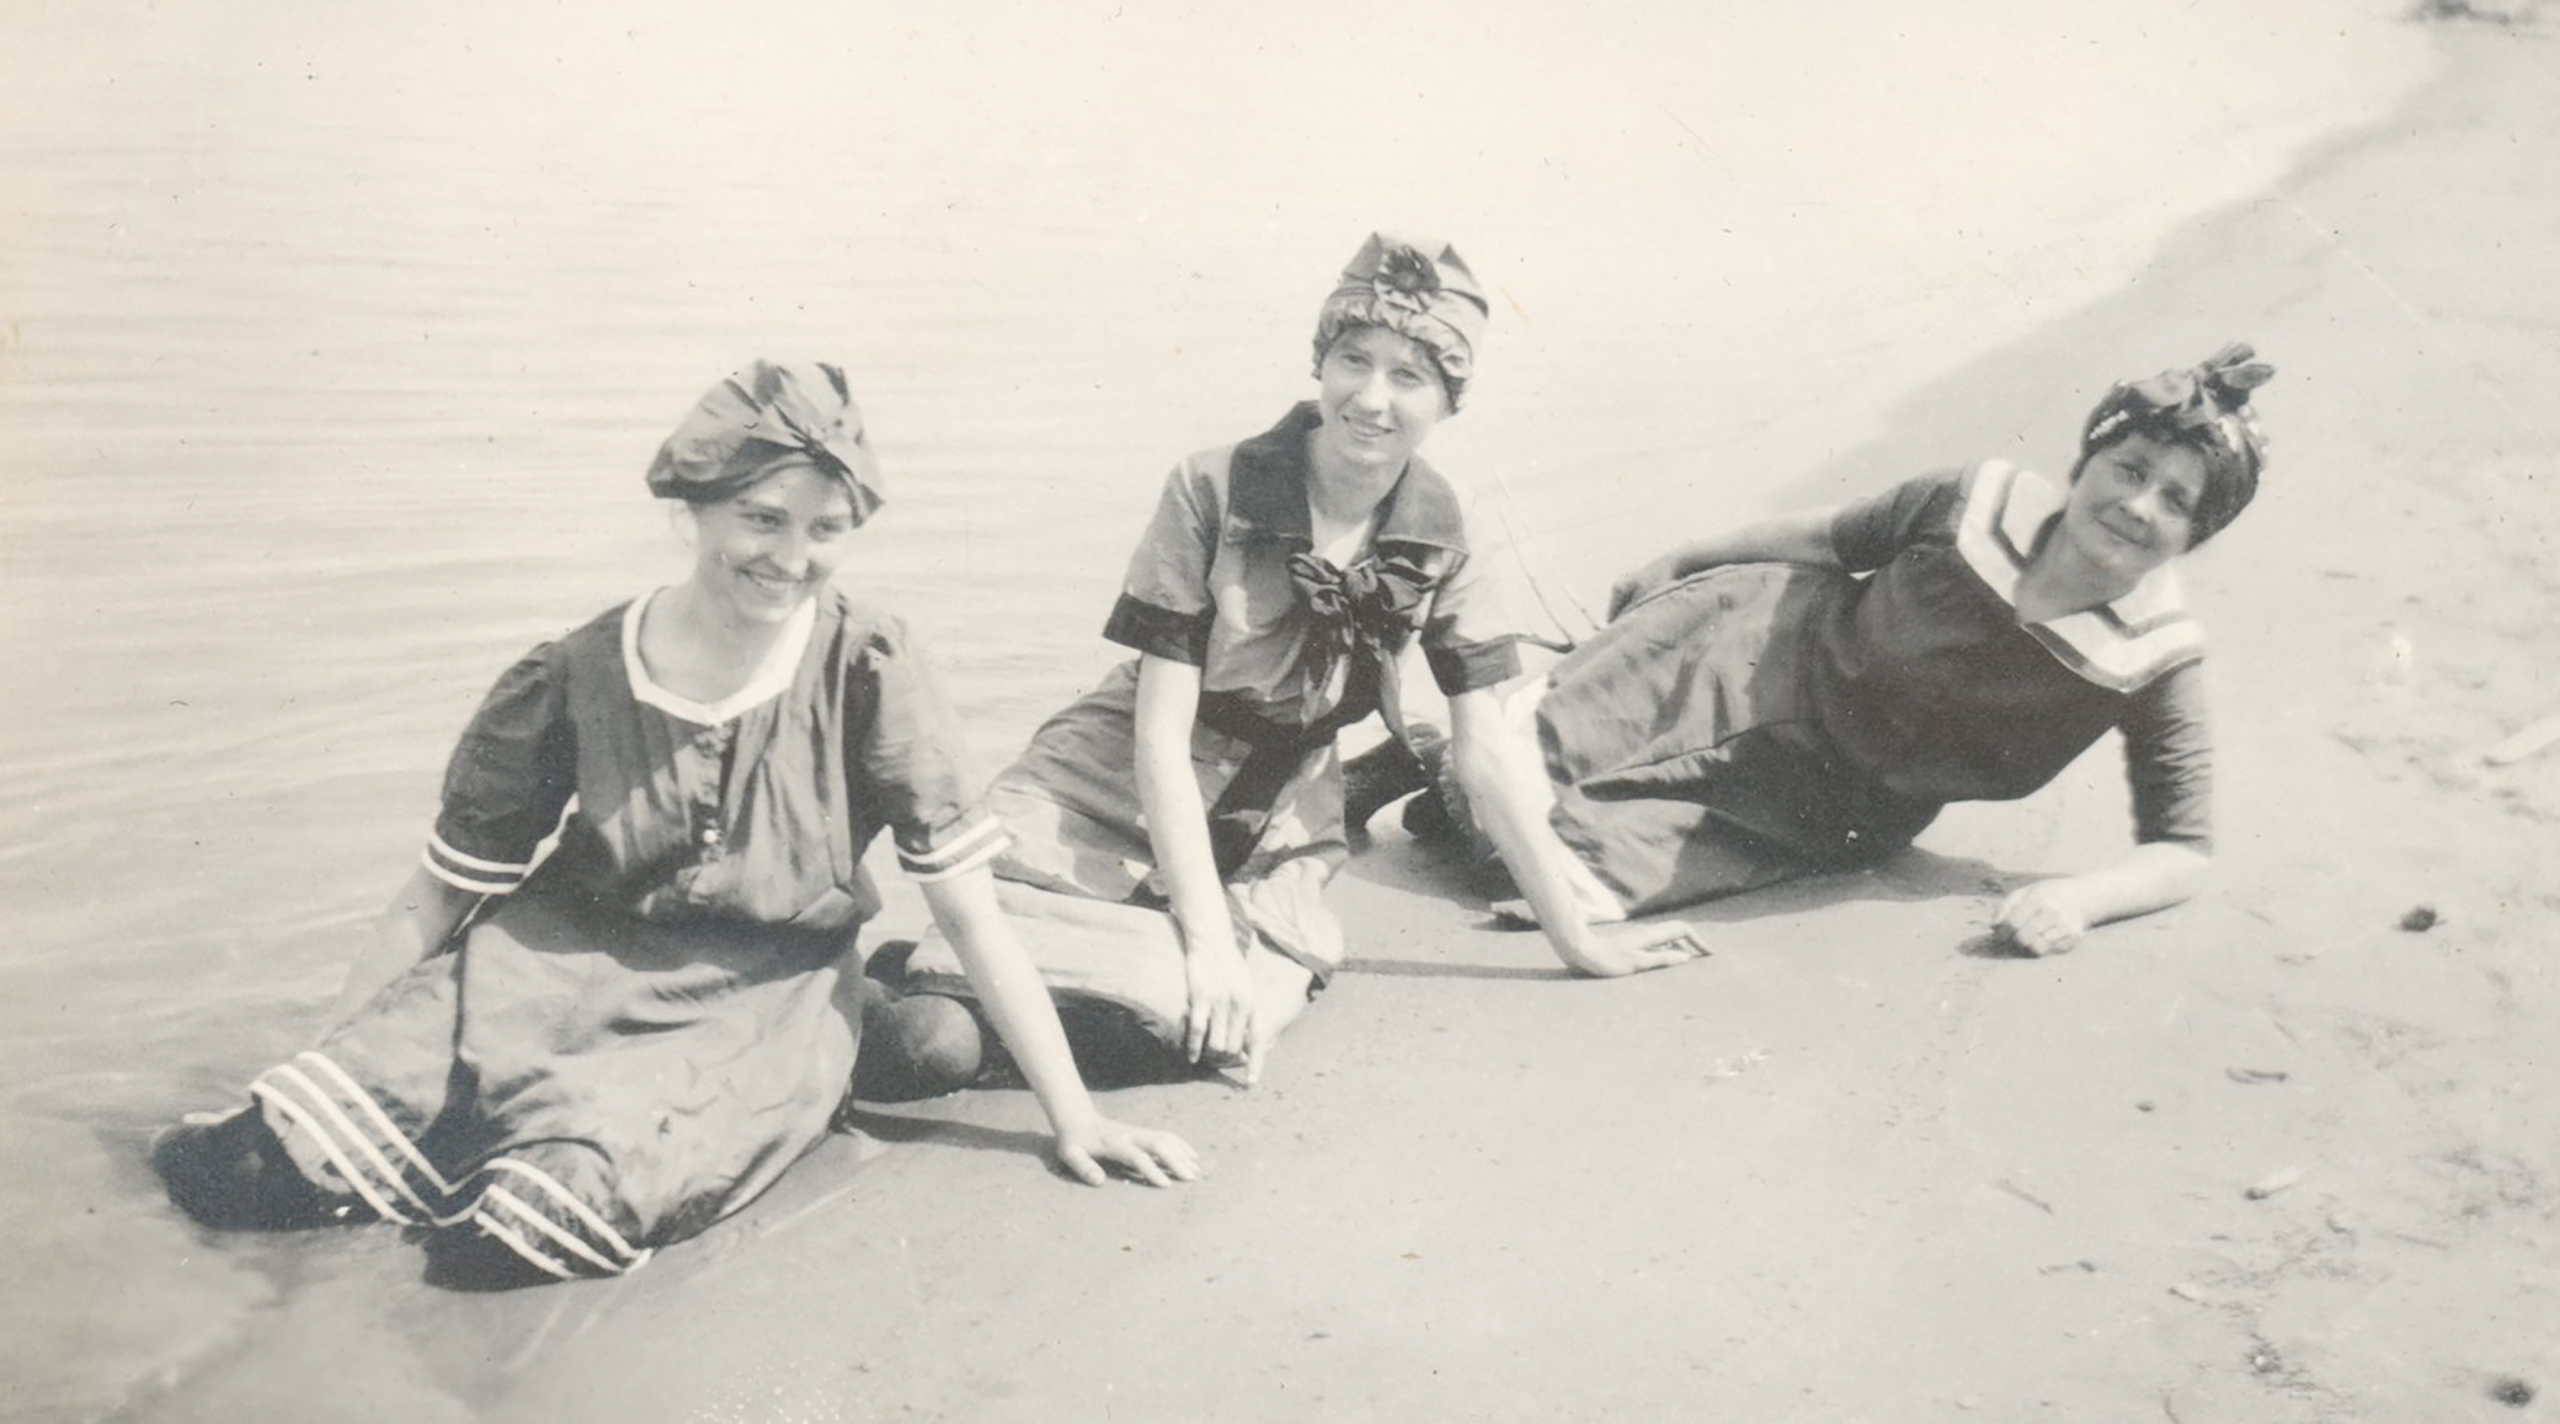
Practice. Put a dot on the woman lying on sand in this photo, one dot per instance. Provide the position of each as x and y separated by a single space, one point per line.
1173 830
1806 692
567 1062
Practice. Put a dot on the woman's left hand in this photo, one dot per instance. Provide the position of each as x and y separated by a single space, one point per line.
1634 587
1153 1156
2043 918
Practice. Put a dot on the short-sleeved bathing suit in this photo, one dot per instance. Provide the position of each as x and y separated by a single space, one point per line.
1211 585
641 1031
1758 721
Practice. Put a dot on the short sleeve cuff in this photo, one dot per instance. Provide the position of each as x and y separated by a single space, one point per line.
966 844
2194 838
1182 637
1465 667
477 875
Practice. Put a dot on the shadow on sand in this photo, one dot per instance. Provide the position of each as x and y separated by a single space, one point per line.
1442 873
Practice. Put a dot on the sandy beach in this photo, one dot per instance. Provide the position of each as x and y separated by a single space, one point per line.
2278 1155
2289 1152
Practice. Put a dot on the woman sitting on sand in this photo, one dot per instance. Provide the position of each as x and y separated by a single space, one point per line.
1174 829
568 1062
1806 692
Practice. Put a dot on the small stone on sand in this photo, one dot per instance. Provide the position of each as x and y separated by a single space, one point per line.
2273 1183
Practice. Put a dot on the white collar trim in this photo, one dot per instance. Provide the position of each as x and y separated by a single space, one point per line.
781 663
2122 644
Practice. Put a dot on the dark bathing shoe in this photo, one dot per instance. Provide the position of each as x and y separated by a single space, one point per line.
230 1173
1388 771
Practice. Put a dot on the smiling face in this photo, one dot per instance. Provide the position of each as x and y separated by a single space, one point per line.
764 551
2132 505
1380 394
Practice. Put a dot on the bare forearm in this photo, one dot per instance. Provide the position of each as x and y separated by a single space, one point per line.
1526 843
416 924
2150 877
1010 990
1801 538
1177 819
1178 830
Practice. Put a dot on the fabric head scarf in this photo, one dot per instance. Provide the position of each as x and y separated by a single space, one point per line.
1415 287
763 416
2205 408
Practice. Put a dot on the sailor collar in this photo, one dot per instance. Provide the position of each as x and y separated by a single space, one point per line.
780 665
1267 494
2122 645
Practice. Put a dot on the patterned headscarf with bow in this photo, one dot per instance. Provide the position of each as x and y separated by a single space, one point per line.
2206 408
765 415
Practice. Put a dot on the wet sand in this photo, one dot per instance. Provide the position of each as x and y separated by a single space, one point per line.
1854 1166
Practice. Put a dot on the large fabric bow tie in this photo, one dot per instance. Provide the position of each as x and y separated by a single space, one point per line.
1370 604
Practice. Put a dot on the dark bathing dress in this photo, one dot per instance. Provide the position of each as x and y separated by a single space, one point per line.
1288 654
637 1034
1762 720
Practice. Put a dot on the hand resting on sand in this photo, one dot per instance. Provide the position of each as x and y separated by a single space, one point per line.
1154 1157
2043 918
1611 951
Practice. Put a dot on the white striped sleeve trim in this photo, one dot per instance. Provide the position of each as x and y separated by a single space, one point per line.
972 848
473 862
462 882
470 872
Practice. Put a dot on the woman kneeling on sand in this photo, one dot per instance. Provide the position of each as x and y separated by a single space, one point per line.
567 1062
1174 829
1806 692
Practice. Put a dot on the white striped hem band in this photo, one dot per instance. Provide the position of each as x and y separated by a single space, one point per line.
322 1105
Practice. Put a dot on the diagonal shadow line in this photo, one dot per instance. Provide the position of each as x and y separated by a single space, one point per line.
970 1136
1426 969
967 1136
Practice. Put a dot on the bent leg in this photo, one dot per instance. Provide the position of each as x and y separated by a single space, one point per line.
332 1134
920 1045
1390 770
355 1114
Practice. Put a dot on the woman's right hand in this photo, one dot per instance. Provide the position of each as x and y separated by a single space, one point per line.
1282 988
1219 1019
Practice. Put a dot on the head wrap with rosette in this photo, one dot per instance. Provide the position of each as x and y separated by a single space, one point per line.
2206 408
1415 287
766 415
